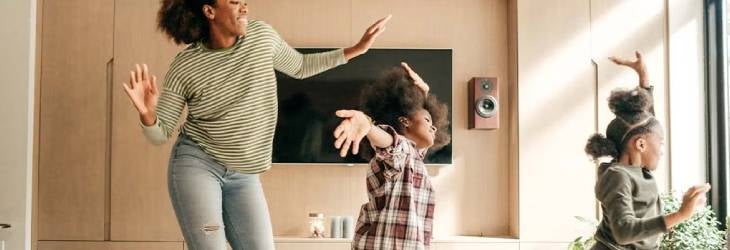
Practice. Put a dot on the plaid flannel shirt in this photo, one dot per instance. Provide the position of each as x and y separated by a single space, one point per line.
399 213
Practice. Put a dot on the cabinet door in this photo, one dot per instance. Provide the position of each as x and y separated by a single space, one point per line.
107 245
73 245
140 205
74 119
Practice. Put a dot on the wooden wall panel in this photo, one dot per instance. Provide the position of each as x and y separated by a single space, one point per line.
140 204
74 115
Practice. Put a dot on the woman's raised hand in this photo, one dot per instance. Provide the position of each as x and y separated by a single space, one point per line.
143 92
367 39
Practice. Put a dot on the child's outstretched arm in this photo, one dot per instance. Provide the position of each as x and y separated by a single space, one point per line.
638 66
354 127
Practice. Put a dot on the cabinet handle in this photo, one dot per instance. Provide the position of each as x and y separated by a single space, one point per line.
3 226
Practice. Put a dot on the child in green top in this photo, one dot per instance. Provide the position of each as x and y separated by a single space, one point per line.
626 187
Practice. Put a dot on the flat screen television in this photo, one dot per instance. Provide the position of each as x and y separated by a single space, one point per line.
306 107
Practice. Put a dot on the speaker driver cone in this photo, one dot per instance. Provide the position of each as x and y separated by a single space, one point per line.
486 106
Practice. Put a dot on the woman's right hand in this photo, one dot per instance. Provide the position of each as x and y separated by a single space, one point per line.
693 198
143 92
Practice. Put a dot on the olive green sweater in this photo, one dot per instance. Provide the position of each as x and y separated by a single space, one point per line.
230 95
632 212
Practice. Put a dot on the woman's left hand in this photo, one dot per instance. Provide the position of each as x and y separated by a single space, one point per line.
367 39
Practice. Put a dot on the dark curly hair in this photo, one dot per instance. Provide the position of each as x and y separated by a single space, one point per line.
394 95
183 20
634 116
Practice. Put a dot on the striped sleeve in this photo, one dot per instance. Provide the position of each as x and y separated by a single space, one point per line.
169 109
297 65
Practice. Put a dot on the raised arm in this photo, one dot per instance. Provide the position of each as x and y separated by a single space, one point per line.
158 121
354 126
300 66
638 66
143 92
367 39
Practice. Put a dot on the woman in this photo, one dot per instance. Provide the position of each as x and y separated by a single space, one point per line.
226 79
626 188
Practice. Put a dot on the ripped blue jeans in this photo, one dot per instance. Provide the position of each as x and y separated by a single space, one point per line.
214 204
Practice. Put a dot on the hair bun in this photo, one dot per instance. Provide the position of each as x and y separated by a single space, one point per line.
631 101
599 146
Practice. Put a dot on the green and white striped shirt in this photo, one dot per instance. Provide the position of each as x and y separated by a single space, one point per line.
231 95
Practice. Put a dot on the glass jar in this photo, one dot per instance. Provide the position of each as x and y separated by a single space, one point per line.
316 225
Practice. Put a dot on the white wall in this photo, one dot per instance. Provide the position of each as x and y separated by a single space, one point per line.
686 94
16 109
562 100
556 87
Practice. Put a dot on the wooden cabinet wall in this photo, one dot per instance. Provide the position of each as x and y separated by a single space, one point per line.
74 119
98 177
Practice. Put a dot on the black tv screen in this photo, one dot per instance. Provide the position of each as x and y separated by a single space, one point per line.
306 107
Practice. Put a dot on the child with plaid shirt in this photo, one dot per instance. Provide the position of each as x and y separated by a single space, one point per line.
399 213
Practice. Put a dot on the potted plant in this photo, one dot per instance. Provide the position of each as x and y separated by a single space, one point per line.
701 231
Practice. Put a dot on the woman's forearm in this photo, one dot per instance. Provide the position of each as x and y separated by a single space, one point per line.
352 52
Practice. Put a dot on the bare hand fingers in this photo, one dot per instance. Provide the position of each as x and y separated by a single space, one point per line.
356 145
132 79
380 23
340 140
638 55
131 95
138 73
408 68
339 129
341 133
145 72
344 113
346 147
154 88
619 61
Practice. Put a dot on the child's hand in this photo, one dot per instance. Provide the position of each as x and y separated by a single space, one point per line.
351 130
416 78
637 65
694 197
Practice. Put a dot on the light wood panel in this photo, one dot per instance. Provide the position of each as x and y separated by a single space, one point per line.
146 246
140 204
619 28
556 115
313 246
107 245
140 207
72 245
76 46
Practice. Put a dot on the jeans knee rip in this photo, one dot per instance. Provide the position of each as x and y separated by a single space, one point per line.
209 229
